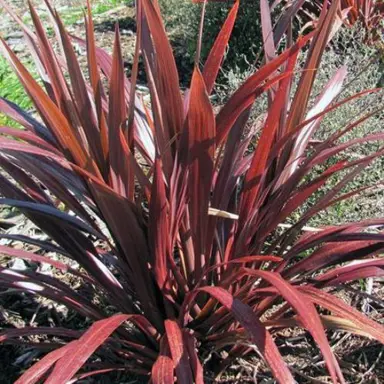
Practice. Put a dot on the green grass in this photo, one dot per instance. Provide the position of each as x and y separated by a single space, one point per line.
72 15
11 89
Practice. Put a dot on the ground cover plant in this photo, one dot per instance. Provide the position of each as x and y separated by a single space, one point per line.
12 90
175 224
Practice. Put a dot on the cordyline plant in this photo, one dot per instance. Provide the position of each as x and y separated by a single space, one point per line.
175 224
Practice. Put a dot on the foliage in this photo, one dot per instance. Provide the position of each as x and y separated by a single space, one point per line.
106 5
174 222
11 89
182 19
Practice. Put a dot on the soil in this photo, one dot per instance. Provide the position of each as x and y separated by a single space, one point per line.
361 360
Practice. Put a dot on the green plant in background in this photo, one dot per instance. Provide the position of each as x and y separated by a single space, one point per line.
72 15
12 90
182 18
100 7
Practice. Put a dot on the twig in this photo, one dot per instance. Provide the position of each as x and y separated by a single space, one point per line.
234 216
373 365
309 378
306 228
35 314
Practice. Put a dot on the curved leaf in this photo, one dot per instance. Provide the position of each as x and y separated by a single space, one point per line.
179 351
257 332
79 352
216 54
345 311
308 316
162 370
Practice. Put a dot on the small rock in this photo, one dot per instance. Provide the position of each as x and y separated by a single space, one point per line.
63 8
14 41
18 48
74 264
46 269
142 88
14 35
126 32
61 309
19 265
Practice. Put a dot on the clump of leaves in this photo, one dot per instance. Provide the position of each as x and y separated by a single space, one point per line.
174 223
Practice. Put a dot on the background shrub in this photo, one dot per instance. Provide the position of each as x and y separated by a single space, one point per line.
182 19
11 89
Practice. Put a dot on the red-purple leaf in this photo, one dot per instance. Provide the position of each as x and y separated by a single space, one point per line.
189 342
179 352
64 133
257 332
245 96
34 374
308 316
200 126
215 57
267 31
117 116
253 177
338 307
166 76
83 104
162 370
80 351
159 226
304 88
324 100
353 271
